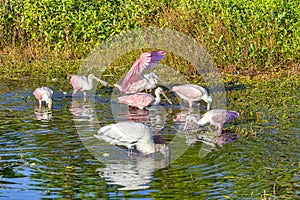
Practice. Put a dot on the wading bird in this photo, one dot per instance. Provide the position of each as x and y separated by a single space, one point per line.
191 93
215 117
135 80
131 135
141 100
83 83
44 94
147 83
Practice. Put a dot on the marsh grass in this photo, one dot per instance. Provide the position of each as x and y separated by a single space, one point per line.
273 99
242 37
239 35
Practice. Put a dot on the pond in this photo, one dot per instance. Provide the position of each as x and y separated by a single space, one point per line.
53 155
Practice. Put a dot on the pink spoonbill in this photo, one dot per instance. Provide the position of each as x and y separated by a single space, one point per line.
141 100
215 117
191 93
83 83
147 83
135 80
44 94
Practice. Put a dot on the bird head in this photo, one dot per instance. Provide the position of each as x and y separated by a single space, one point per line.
189 118
159 91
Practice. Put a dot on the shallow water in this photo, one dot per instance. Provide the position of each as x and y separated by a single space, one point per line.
54 155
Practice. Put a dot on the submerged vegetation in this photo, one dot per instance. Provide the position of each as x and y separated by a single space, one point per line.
243 36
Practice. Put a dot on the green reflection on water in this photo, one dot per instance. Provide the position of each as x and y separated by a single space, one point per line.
48 155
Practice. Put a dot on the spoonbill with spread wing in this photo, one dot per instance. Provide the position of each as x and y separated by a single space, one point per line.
135 80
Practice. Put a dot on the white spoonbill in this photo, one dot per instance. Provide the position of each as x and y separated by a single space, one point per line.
44 94
141 100
136 73
191 93
131 135
83 83
215 117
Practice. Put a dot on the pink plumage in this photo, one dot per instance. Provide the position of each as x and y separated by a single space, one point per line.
83 83
43 94
139 100
75 83
146 61
191 93
215 117
38 93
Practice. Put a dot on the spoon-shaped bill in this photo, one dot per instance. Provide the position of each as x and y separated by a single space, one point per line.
166 97
104 83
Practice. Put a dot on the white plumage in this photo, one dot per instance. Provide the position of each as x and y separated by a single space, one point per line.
130 135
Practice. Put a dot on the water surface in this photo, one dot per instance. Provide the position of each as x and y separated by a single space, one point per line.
54 155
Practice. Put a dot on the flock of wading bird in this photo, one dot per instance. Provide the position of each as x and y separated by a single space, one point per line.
135 135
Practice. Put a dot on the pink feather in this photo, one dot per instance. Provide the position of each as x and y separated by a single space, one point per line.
146 61
38 93
140 100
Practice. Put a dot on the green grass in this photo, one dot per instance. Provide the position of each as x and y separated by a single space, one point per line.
241 36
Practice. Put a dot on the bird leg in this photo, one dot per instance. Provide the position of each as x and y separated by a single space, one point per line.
74 92
84 96
190 104
185 126
40 104
130 151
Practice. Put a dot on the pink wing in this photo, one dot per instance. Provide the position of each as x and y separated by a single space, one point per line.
146 61
38 93
225 116
75 82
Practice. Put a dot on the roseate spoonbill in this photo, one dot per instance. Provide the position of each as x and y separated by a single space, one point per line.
215 117
131 135
43 94
83 83
147 83
191 93
135 74
141 100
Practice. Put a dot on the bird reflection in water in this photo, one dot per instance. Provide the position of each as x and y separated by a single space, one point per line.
83 111
180 119
43 114
133 174
154 116
227 136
